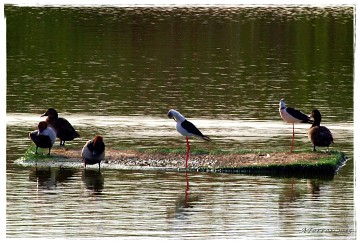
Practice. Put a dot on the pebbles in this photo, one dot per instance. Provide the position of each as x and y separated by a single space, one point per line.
133 158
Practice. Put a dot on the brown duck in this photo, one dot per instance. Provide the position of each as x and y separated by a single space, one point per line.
319 135
44 137
64 130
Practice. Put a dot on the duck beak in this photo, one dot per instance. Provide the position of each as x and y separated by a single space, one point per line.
45 114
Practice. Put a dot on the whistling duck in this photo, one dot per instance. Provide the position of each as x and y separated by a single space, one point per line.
319 135
44 137
187 129
64 130
93 151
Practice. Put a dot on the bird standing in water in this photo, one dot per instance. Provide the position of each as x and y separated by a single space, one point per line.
291 115
187 129
319 135
93 151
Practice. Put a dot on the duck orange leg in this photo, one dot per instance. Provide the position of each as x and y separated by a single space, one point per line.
187 152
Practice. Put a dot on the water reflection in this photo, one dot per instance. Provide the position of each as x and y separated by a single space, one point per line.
173 205
43 178
93 180
49 178
65 174
313 188
184 202
292 192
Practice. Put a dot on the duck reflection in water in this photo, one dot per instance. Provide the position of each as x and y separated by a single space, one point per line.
48 178
93 180
291 194
42 176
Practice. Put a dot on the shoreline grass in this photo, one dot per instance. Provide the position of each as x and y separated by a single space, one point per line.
325 167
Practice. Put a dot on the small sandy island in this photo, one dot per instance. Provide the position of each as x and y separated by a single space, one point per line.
299 162
158 159
219 162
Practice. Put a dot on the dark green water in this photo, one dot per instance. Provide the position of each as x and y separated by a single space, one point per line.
117 71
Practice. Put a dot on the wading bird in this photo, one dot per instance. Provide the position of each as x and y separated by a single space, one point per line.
319 135
44 137
63 129
93 151
187 129
291 115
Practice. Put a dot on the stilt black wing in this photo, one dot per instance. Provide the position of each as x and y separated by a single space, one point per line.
191 128
298 115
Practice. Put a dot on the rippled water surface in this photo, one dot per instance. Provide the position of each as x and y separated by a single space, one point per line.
116 71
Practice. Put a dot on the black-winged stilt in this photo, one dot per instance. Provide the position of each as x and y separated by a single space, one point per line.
187 129
291 115
64 130
319 135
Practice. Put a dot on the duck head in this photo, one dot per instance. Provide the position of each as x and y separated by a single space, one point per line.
51 112
317 117
42 126
98 144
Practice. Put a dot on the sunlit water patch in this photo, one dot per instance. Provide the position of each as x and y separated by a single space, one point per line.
156 131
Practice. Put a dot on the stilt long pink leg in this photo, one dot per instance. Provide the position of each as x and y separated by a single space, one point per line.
187 152
293 139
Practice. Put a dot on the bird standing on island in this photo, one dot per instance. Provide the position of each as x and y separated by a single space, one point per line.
63 129
291 115
93 151
187 129
319 135
44 137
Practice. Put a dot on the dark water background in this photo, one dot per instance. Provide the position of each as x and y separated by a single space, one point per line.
116 71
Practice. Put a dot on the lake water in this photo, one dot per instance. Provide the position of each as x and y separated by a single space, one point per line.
116 71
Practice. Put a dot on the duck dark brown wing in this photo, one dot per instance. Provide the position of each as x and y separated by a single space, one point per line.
325 134
41 141
321 136
64 129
